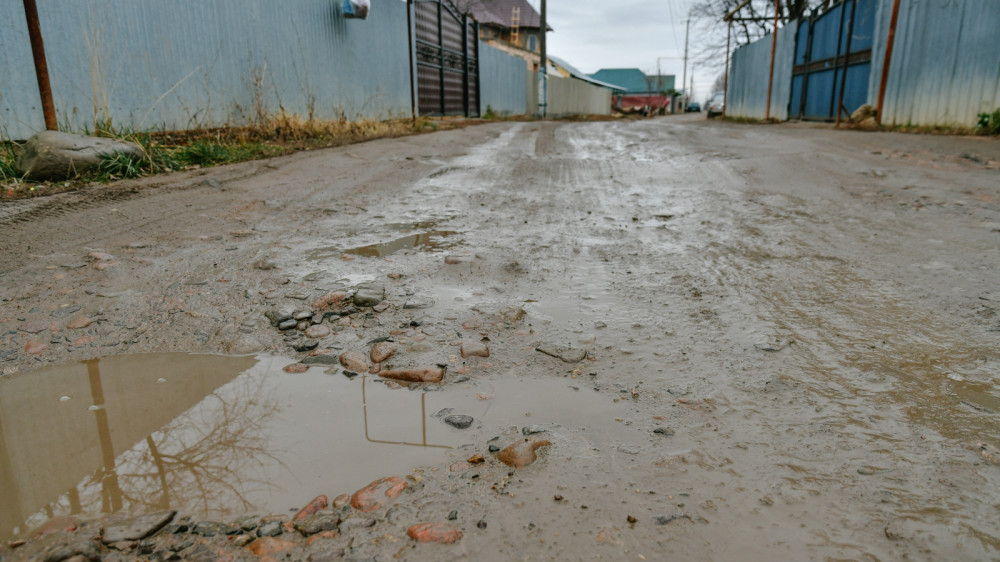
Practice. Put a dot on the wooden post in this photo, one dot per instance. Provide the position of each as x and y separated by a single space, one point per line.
41 68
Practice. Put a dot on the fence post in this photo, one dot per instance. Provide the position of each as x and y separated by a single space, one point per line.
847 61
770 75
888 58
41 67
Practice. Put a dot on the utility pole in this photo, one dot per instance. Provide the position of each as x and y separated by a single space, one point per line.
687 28
543 70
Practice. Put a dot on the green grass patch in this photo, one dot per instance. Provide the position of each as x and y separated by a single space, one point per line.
989 123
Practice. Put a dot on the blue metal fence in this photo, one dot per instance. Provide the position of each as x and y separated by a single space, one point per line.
747 88
838 38
945 66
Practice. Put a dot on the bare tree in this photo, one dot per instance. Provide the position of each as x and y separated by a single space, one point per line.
753 21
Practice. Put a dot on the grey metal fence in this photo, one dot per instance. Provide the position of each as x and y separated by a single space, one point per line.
747 91
503 82
149 64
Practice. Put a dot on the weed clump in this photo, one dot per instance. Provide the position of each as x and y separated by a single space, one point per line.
989 123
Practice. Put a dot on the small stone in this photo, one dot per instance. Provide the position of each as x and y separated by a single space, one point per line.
374 496
341 500
357 523
334 298
631 519
369 296
289 324
381 307
430 374
265 546
317 523
136 528
459 421
567 354
296 368
277 316
79 323
453 515
481 524
302 346
452 260
628 448
521 453
34 327
354 361
320 359
382 351
474 349
212 528
270 529
532 429
418 303
317 331
35 347
434 532
318 503
665 431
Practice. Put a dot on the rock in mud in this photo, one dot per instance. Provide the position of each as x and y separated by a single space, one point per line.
54 155
318 503
532 429
567 354
303 346
323 521
522 453
664 431
270 529
434 532
459 421
79 323
277 316
85 550
289 324
341 500
369 296
212 528
266 546
382 351
317 332
244 345
137 528
430 374
320 359
474 349
377 494
336 298
354 361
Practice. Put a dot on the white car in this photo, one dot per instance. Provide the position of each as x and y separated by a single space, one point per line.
717 105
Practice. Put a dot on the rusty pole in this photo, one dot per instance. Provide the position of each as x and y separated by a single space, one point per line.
888 58
41 68
770 76
847 62
412 48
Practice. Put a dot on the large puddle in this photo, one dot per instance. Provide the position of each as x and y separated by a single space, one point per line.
222 436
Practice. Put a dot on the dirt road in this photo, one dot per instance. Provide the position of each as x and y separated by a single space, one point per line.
790 335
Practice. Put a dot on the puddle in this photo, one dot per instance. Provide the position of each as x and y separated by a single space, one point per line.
426 241
222 436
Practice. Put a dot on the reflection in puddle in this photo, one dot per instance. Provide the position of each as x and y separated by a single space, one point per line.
426 241
223 436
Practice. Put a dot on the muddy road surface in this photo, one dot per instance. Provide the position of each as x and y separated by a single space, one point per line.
714 341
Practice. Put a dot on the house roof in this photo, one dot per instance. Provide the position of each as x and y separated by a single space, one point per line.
575 73
500 12
633 80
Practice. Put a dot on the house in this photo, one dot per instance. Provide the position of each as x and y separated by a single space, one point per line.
640 89
512 26
559 67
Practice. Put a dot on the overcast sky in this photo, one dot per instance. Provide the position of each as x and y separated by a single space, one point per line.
595 34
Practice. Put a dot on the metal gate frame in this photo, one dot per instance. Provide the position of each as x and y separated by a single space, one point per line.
844 58
445 56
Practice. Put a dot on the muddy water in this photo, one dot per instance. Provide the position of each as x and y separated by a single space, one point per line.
223 436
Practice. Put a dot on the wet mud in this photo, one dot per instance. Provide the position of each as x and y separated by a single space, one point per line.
738 342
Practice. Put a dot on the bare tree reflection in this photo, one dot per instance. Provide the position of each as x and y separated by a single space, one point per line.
210 460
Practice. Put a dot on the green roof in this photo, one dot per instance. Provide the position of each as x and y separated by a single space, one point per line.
635 81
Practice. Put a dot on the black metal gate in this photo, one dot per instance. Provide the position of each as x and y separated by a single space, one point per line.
447 48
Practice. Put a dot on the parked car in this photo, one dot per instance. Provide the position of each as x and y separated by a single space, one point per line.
693 107
717 105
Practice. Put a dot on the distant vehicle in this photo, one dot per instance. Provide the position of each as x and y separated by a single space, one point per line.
717 105
693 107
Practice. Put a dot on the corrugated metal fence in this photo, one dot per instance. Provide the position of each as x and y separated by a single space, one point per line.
570 96
945 66
183 64
748 74
503 82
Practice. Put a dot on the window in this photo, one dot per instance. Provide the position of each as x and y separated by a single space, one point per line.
532 40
